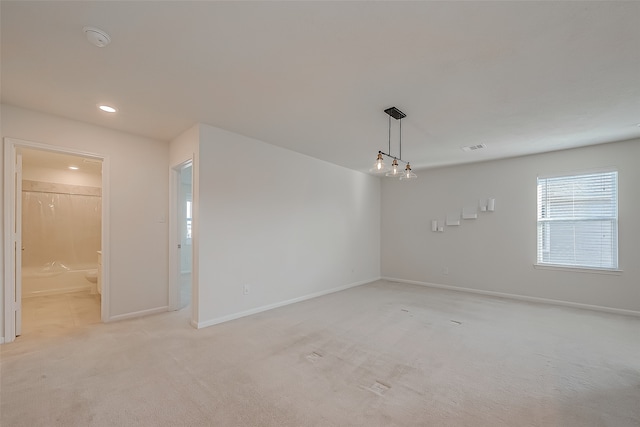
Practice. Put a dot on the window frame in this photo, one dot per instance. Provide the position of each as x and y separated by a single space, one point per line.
540 264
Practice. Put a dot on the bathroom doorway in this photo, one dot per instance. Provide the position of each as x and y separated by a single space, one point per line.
56 207
61 247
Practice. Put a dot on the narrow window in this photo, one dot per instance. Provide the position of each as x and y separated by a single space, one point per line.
188 218
578 220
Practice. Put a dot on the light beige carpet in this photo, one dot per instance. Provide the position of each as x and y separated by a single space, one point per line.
383 354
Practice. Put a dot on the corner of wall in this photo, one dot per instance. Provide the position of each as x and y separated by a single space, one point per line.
285 238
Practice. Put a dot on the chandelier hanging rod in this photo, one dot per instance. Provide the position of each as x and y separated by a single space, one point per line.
393 157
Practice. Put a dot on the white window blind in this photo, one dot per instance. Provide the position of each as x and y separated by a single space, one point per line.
578 220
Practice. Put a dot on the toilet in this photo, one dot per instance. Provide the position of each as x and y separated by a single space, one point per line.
92 276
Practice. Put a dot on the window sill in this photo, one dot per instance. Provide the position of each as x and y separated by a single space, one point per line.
611 271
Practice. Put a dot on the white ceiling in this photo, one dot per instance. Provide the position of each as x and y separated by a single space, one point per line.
315 77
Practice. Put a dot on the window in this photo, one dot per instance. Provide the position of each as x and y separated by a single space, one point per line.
188 218
578 220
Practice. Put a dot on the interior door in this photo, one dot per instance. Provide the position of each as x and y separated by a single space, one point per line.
17 245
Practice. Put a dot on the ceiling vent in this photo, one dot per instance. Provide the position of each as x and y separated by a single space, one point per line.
474 147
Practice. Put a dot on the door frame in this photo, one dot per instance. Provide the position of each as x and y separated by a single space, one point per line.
12 240
174 236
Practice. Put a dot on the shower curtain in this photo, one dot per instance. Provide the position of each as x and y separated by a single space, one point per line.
61 226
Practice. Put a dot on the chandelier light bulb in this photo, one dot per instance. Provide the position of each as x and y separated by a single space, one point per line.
395 169
378 166
408 174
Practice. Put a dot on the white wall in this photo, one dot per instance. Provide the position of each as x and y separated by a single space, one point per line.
138 201
287 225
497 251
185 146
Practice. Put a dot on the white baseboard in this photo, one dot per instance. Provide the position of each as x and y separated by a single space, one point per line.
1 340
519 297
257 310
137 314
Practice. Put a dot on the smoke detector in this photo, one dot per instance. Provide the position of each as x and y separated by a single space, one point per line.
96 36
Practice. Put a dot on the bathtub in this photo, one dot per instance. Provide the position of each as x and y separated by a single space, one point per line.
56 279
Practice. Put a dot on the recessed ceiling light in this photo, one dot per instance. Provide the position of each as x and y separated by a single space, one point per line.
107 108
74 168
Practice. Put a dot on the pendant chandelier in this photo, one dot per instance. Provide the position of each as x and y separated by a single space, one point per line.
395 171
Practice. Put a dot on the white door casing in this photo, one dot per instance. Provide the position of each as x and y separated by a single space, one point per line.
13 234
17 246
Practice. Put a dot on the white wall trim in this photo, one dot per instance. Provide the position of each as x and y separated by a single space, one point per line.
520 297
257 310
140 313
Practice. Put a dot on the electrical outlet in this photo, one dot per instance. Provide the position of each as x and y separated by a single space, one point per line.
245 289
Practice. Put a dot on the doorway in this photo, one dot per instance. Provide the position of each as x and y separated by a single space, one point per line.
182 237
55 207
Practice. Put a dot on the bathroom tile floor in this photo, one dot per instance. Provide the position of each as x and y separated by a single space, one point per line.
58 315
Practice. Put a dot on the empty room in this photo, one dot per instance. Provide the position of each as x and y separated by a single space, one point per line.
320 213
